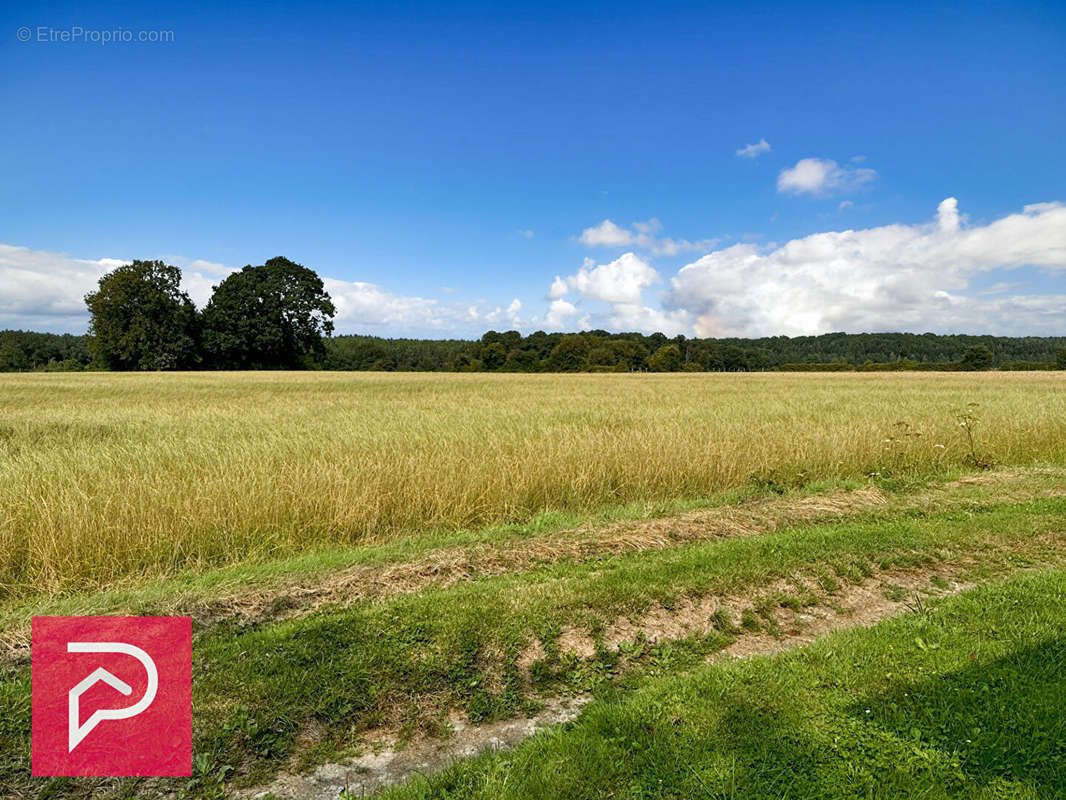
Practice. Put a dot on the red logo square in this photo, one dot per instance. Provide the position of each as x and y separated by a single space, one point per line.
112 696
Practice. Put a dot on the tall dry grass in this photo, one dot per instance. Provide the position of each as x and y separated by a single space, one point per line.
107 476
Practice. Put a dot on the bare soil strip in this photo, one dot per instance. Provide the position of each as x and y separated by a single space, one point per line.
387 760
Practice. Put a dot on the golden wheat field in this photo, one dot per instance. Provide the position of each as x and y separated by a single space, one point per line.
105 477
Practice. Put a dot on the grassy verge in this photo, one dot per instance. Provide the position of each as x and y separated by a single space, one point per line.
962 700
303 690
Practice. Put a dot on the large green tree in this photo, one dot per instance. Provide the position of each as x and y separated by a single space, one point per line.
666 359
570 354
269 317
142 320
978 358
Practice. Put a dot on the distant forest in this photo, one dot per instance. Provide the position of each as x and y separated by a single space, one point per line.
600 351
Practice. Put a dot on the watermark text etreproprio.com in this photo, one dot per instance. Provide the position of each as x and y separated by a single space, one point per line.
76 34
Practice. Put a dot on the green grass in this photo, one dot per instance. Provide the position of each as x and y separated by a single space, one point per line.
963 701
408 659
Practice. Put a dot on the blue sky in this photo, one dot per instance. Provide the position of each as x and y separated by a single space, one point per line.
439 163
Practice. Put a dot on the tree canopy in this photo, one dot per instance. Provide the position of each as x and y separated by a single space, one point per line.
141 320
272 316
977 358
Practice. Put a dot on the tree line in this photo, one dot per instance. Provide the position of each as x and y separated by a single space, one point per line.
602 351
278 315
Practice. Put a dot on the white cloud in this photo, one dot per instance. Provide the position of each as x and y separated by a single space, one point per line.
509 315
947 214
890 278
558 289
361 305
620 285
637 317
643 236
46 290
606 234
822 176
370 309
526 233
620 281
754 150
560 314
672 247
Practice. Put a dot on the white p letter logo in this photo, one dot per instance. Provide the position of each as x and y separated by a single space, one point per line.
76 732
99 656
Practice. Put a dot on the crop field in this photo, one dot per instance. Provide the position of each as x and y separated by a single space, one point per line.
712 585
110 477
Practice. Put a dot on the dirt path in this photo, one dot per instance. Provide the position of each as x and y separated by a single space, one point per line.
388 761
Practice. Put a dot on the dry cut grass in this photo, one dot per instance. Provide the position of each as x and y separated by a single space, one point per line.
112 477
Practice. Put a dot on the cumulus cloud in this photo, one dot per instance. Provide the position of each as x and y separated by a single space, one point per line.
643 236
509 317
606 234
754 150
947 214
619 287
560 315
822 176
366 305
557 289
889 278
620 281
